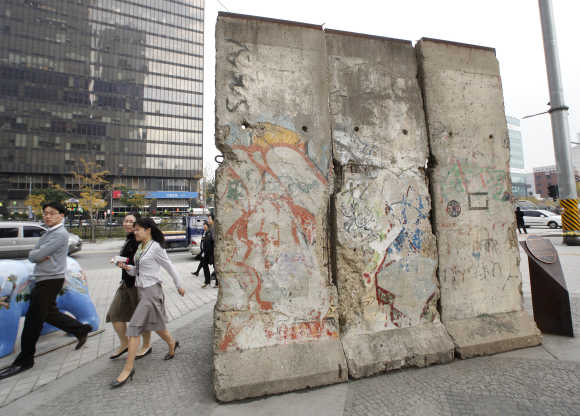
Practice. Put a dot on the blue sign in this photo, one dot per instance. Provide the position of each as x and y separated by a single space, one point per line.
171 195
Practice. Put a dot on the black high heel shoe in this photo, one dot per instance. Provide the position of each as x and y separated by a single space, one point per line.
112 357
169 356
117 383
138 357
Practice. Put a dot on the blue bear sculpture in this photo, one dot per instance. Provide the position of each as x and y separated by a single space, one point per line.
15 285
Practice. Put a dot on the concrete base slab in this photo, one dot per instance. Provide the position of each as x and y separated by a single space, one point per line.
492 334
316 402
278 369
418 346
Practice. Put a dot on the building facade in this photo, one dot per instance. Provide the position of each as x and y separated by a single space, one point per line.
520 187
546 176
114 82
576 157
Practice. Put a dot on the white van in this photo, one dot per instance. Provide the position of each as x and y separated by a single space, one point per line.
18 238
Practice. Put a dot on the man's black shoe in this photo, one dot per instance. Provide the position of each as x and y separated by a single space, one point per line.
13 370
83 338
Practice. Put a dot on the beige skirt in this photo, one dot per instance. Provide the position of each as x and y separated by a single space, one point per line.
123 305
150 314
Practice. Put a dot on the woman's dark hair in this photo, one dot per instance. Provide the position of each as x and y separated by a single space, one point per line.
56 205
156 234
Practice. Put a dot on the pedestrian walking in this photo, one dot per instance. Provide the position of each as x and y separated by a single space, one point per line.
520 220
126 298
212 230
206 253
199 266
150 314
49 256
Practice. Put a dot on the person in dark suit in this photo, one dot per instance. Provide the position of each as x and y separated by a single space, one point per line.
520 220
211 223
49 257
206 253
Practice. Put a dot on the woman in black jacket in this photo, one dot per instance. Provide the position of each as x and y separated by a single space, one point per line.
125 300
206 253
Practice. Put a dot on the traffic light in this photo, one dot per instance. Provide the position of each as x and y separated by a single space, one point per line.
553 192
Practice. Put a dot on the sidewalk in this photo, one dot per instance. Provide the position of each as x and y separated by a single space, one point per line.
535 381
102 286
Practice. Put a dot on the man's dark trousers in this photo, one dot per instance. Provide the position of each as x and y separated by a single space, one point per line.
206 274
43 309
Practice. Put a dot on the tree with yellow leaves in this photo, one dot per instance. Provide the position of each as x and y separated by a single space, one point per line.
35 201
91 180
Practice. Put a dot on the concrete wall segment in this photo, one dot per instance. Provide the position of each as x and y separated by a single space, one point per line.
386 257
473 216
273 187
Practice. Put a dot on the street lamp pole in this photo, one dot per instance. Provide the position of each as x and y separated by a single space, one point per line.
560 129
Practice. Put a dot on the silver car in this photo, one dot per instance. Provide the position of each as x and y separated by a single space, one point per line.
18 238
542 218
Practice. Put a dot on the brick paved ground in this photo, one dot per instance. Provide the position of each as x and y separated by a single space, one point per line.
103 283
505 384
482 386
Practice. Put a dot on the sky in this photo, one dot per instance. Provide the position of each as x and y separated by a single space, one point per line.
511 27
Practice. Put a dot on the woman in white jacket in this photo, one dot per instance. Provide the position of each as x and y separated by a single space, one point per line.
150 314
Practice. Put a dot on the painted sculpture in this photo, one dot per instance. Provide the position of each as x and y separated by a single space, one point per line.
15 286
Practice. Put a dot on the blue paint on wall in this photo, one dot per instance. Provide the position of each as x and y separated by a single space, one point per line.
416 239
400 240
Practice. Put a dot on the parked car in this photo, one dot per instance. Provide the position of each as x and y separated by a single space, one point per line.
542 218
18 238
523 204
196 226
75 244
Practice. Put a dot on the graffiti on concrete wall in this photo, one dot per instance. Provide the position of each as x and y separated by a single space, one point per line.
393 224
269 199
482 262
236 98
479 184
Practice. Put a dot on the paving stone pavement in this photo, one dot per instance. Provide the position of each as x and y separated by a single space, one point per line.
481 386
103 283
525 382
181 386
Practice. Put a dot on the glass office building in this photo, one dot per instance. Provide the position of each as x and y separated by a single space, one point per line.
116 82
520 187
516 145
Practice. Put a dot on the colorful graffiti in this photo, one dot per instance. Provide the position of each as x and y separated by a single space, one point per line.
388 216
269 198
